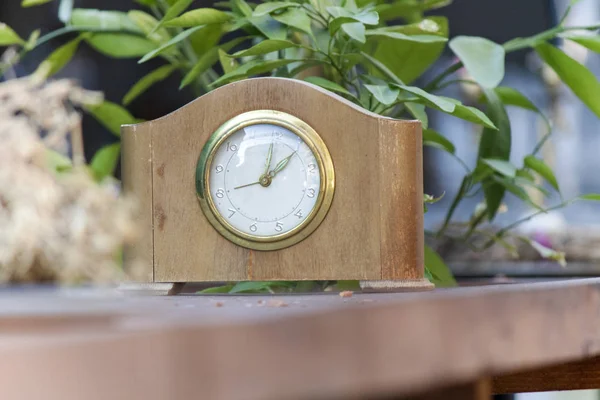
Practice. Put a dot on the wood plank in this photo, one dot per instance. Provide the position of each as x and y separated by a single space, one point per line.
136 171
479 390
262 347
401 181
577 375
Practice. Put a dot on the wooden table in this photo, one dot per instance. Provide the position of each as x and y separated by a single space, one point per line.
449 344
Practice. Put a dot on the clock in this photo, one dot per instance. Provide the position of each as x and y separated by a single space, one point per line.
271 179
265 180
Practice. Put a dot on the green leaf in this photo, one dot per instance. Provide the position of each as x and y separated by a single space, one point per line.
120 45
31 3
227 63
105 20
503 167
111 116
265 47
269 27
147 81
200 16
175 10
438 102
254 67
512 97
8 36
410 38
434 139
590 42
367 17
327 84
495 144
243 7
104 163
474 115
217 289
32 40
408 59
543 169
295 18
267 8
336 23
442 275
147 24
590 196
525 174
207 60
383 93
547 252
407 8
483 59
65 9
207 38
353 286
577 77
356 30
182 36
55 161
418 112
58 59
260 287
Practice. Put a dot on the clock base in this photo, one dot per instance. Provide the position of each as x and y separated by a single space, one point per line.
154 289
407 285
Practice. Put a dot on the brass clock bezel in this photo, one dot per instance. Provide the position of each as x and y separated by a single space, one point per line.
326 172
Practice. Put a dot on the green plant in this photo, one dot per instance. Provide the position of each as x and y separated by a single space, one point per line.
354 48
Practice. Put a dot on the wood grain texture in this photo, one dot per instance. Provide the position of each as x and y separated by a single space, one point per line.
401 225
578 375
136 173
479 390
351 243
269 347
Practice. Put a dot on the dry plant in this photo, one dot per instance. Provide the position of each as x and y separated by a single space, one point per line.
54 226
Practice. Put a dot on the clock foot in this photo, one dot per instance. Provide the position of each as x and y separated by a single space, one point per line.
153 289
407 285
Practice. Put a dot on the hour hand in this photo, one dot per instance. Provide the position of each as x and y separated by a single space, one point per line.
281 165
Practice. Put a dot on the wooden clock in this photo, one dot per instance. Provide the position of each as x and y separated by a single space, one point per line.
277 179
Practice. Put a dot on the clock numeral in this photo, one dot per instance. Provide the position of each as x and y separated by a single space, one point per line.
311 193
312 168
231 147
277 134
220 193
253 228
232 211
279 227
219 169
299 213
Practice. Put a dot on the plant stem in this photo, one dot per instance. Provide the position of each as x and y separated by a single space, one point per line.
432 86
457 199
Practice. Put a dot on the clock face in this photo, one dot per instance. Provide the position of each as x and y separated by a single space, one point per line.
265 180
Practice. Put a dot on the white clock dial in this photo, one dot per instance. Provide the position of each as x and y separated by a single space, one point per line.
264 180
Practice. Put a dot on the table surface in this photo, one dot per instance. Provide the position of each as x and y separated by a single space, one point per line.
114 345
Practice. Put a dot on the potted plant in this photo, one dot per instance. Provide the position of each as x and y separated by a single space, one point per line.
369 51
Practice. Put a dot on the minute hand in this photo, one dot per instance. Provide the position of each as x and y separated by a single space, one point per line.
281 165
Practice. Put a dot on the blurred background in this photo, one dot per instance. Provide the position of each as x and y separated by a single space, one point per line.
572 151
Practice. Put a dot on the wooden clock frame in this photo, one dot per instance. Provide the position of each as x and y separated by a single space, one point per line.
373 231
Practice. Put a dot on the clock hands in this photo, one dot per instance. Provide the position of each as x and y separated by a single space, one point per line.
266 178
269 156
281 165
